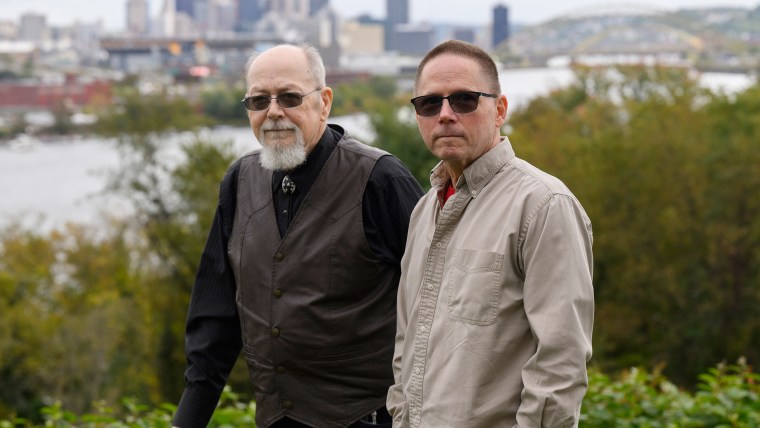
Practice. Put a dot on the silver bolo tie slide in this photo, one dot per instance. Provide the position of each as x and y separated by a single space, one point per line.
288 186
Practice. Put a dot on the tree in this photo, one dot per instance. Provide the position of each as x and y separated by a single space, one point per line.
664 170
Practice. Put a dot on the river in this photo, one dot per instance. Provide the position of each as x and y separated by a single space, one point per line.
49 184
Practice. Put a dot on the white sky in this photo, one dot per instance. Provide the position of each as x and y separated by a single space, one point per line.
60 12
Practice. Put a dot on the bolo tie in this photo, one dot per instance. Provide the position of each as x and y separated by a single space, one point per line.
288 186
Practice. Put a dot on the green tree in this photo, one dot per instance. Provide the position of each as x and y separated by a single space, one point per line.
392 120
99 314
664 169
397 133
221 103
363 96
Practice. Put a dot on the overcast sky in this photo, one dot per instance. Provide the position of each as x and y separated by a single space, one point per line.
452 11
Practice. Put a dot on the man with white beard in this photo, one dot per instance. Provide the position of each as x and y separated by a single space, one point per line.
302 263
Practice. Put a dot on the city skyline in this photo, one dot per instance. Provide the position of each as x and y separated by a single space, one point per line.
472 12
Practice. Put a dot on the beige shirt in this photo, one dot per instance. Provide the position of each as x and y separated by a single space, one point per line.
495 303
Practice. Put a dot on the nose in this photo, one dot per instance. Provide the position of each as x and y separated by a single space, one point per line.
446 114
274 110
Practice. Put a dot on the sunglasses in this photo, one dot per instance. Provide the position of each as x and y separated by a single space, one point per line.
460 102
284 100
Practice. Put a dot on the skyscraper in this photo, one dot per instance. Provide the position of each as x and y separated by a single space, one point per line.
290 8
167 18
249 12
317 5
137 16
500 27
397 12
187 7
33 27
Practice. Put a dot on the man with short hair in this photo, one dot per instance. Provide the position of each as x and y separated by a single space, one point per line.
495 304
301 265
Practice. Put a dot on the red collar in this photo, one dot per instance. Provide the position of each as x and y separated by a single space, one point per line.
448 191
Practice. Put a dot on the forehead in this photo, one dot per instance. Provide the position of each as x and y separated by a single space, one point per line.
451 72
278 69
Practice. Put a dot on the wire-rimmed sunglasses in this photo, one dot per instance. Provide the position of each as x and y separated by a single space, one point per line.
284 100
460 102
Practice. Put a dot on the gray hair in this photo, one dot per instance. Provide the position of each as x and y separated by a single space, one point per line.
313 61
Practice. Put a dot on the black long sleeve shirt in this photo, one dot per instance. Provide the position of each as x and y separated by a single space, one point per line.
213 337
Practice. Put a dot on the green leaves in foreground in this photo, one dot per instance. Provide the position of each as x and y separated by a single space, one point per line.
231 413
727 396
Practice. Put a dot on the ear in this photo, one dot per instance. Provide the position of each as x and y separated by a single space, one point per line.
501 110
327 97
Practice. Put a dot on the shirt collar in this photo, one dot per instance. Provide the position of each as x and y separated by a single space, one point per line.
479 173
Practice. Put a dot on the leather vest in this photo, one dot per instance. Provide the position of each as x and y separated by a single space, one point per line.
317 307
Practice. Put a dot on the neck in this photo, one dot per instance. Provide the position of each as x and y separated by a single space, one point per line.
454 173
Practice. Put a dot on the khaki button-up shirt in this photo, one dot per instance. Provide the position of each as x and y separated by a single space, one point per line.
495 304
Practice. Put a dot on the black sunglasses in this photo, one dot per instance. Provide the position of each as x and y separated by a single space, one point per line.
284 100
460 102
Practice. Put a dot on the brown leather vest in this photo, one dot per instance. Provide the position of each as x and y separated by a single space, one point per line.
317 308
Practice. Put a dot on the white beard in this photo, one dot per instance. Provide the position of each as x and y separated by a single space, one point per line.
279 157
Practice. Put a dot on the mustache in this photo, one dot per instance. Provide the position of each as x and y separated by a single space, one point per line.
278 125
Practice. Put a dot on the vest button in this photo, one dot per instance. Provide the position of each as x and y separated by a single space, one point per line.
278 256
277 293
280 370
287 404
275 332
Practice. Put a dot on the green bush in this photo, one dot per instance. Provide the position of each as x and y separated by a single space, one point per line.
727 396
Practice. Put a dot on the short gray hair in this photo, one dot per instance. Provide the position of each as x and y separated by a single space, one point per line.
313 60
464 50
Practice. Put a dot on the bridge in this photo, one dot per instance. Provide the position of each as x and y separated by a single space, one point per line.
132 54
618 29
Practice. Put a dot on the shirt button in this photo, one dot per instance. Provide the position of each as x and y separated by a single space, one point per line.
278 256
275 332
438 245
414 410
287 404
474 193
284 212
423 328
417 370
277 293
280 370
430 286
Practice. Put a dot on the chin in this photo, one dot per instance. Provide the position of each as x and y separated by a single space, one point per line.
277 142
448 154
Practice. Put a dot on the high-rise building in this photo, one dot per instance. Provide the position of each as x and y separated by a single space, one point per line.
500 26
187 7
317 5
201 18
249 12
396 13
33 27
413 39
296 9
167 19
221 16
138 18
464 34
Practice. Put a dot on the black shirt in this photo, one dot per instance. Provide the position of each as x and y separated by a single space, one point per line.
213 338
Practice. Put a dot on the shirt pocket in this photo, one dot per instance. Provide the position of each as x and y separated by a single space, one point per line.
474 286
